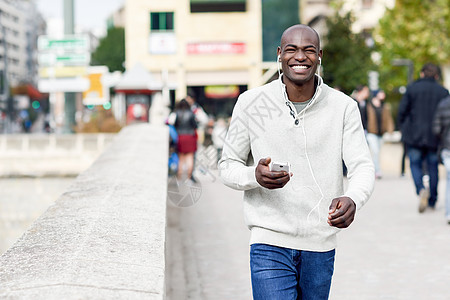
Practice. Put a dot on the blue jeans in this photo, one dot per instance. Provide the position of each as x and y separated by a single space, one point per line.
416 158
375 142
287 274
446 159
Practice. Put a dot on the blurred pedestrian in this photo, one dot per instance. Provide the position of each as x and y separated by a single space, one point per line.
207 141
379 121
200 115
218 136
294 215
361 95
441 127
183 119
173 152
202 120
416 112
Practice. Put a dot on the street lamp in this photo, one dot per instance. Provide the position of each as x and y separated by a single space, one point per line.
410 65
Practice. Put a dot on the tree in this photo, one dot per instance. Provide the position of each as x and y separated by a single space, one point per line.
111 50
413 29
346 59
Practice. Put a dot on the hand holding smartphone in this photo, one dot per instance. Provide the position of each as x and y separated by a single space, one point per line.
275 179
279 167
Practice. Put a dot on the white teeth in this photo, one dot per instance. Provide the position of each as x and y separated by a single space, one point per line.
299 67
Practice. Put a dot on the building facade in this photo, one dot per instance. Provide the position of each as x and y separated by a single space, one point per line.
212 48
20 24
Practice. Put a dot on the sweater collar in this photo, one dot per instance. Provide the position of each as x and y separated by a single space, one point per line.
316 95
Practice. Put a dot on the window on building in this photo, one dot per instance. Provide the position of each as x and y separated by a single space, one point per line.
199 6
161 21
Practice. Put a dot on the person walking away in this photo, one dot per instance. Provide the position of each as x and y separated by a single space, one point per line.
361 95
218 136
185 124
441 128
415 114
207 141
294 215
202 120
379 121
200 115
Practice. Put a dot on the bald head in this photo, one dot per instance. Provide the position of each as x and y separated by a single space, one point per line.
299 55
286 36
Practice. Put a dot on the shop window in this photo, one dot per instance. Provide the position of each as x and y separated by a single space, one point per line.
161 21
199 6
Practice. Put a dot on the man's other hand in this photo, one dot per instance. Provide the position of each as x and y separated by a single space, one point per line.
270 179
342 212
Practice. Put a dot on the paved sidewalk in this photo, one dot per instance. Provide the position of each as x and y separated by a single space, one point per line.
393 252
207 246
390 251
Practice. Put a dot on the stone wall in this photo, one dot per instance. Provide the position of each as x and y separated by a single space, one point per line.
104 238
35 155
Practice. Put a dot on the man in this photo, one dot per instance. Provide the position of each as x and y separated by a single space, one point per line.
200 115
415 115
361 94
294 216
202 120
441 128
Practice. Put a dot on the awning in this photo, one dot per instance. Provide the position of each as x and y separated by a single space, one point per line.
29 90
138 80
200 78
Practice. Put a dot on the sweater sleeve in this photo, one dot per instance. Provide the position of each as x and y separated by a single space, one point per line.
437 121
233 168
357 158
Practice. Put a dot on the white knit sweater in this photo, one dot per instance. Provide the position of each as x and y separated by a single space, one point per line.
328 131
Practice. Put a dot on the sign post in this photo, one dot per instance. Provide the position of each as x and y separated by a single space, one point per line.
63 66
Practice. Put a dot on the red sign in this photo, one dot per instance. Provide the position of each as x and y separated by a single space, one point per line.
216 48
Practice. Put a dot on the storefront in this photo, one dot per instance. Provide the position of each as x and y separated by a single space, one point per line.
137 85
217 100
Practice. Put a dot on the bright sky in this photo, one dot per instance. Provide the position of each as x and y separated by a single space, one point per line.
90 14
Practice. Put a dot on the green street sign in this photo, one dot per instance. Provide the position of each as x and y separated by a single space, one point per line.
69 50
64 59
68 43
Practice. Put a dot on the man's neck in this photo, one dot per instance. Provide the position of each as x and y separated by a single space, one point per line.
300 93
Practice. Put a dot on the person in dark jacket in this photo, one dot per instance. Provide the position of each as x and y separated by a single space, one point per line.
185 125
415 115
441 128
361 95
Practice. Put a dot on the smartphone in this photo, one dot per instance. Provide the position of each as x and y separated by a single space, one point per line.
278 167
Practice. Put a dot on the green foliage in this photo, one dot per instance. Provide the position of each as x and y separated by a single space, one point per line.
111 50
414 29
346 59
101 120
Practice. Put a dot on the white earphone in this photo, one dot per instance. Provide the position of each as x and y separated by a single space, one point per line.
278 65
320 61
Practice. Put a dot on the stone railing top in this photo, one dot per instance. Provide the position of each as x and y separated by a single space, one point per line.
105 237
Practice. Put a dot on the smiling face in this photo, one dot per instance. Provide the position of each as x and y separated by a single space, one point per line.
299 53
